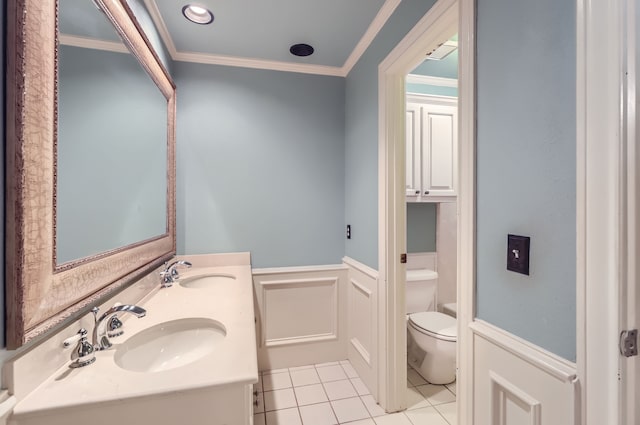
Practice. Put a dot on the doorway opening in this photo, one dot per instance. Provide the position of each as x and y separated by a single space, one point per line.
439 25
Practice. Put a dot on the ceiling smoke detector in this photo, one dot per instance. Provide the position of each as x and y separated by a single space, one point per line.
197 14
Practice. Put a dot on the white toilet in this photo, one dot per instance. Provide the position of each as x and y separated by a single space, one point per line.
432 335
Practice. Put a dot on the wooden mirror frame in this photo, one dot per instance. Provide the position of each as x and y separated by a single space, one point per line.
39 296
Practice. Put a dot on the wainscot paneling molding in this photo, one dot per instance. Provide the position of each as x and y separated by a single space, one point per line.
363 322
301 315
518 383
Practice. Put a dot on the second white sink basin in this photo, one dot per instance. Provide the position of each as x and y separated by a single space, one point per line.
170 345
205 281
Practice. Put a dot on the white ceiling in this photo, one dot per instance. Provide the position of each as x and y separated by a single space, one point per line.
259 33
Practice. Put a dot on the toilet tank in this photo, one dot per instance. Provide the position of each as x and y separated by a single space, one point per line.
422 290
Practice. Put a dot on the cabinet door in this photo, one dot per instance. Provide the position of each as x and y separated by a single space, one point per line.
413 151
439 150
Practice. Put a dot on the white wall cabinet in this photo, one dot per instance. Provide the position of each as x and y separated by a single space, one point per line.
431 149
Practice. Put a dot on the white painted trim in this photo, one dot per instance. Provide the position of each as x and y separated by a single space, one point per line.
432 100
466 209
296 269
374 28
258 64
439 23
361 350
600 204
92 43
432 81
540 358
500 384
372 273
376 25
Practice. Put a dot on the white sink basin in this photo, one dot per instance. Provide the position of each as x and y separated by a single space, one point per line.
170 345
205 281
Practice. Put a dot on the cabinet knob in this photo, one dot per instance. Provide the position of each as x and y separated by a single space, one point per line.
417 192
426 192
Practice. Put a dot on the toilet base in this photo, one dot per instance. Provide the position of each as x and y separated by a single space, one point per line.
435 370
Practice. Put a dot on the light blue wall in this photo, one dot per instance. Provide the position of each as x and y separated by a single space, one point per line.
526 184
421 226
444 68
361 141
112 153
260 164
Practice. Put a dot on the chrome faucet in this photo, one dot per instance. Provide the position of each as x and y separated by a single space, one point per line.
170 273
100 337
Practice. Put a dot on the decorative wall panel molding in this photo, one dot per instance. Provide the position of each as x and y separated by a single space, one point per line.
301 315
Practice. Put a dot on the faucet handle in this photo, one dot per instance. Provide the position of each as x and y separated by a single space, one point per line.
84 353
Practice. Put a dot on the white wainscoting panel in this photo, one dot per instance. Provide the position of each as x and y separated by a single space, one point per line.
363 322
301 315
518 383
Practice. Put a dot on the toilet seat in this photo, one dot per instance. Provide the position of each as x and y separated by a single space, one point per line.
438 325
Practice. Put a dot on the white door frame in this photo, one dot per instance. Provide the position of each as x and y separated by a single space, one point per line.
440 23
603 199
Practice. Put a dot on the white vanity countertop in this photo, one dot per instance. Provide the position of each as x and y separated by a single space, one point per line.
233 361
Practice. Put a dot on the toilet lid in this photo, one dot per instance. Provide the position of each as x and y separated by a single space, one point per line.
435 323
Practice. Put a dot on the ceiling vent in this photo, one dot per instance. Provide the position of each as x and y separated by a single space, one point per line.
443 50
301 50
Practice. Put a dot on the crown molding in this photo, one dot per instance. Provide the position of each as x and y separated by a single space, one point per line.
206 58
92 43
432 81
258 64
376 25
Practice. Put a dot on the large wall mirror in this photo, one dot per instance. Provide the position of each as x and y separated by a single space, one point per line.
90 159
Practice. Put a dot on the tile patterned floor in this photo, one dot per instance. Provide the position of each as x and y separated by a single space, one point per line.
333 394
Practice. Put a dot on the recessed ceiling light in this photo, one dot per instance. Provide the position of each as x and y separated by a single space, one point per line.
197 14
301 50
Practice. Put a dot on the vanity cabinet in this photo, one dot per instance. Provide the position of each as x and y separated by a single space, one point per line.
431 149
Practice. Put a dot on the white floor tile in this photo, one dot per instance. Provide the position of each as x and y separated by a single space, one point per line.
318 414
284 417
311 394
425 416
331 373
279 399
304 377
349 370
393 419
349 409
374 408
360 387
276 381
449 411
415 378
452 387
337 390
258 419
415 400
436 394
368 421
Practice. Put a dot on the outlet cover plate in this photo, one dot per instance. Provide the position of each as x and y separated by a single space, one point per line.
518 254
